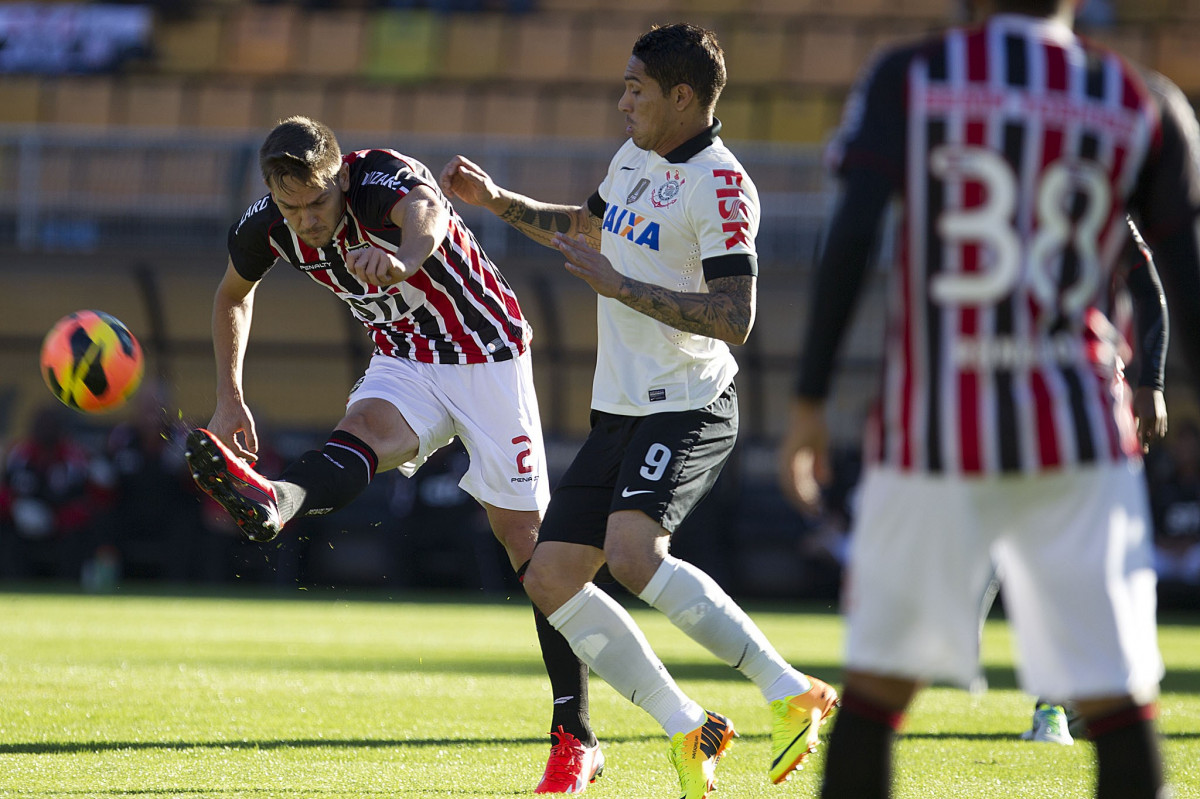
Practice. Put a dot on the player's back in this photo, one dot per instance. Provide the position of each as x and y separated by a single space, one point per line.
1022 145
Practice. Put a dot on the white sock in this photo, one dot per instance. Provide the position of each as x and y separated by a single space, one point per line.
697 605
604 636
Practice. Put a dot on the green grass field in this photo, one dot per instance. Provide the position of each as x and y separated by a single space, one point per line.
329 697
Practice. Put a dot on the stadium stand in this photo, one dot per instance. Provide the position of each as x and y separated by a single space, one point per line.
259 40
330 44
120 187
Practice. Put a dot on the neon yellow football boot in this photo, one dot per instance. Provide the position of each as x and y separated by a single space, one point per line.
695 754
798 720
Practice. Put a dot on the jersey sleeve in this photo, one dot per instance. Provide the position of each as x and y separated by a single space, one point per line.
724 213
1151 329
1168 192
596 205
249 240
379 182
872 134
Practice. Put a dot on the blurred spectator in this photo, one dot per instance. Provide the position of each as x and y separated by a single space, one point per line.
156 525
53 492
1175 500
443 538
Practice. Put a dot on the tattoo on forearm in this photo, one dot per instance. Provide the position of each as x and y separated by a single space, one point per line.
725 313
539 224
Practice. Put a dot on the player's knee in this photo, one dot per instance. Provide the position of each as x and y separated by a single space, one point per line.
632 567
540 586
384 429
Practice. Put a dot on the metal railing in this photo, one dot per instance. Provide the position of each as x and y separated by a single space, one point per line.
79 190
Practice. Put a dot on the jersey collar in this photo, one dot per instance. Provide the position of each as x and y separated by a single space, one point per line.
694 145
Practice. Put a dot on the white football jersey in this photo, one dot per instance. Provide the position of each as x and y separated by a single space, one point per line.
662 218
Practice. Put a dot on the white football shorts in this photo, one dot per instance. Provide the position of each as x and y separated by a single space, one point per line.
1074 555
491 407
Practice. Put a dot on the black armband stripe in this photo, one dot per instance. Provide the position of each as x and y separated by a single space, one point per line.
596 205
732 265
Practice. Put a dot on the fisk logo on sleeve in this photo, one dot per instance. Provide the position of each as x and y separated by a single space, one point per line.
628 225
732 208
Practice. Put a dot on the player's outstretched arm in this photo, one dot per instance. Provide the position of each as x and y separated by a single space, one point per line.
233 309
539 221
725 312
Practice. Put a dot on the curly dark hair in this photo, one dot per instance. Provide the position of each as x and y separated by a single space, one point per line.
300 150
683 53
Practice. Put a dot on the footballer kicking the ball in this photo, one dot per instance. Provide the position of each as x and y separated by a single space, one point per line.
451 359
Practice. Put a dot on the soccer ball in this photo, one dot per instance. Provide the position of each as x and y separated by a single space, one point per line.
91 362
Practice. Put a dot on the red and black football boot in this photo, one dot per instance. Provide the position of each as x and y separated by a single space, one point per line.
245 494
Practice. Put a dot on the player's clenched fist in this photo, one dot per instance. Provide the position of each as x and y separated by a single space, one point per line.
375 266
465 179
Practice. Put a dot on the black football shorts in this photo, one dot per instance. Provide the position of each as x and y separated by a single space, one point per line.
662 464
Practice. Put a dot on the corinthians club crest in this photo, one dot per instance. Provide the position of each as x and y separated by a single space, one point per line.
668 192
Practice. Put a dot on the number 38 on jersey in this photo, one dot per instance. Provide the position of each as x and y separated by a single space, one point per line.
1072 203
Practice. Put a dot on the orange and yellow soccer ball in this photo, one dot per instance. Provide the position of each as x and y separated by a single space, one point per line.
91 362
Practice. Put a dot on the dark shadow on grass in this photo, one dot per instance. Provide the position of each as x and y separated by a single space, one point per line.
1179 681
79 747
82 747
520 667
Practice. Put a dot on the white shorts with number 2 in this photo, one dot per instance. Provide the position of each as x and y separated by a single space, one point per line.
491 407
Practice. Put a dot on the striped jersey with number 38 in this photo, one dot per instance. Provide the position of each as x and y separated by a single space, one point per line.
1019 148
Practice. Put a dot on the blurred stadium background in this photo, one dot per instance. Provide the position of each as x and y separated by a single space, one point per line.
128 134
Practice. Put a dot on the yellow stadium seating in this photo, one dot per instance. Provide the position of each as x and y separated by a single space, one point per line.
441 110
331 44
607 49
402 45
1177 48
229 105
257 40
755 53
21 99
191 45
474 46
511 112
542 48
86 100
150 101
587 115
800 116
826 55
285 99
367 109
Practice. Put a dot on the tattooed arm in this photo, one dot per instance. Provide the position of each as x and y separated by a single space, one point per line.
539 221
726 312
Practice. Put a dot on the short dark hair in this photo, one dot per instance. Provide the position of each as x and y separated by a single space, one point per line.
683 53
302 150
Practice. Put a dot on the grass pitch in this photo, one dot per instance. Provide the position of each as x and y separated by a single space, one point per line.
331 698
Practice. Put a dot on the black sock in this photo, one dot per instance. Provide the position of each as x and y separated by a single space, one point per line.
327 479
858 763
568 679
1128 758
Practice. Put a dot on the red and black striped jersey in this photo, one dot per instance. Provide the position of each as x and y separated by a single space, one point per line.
456 309
1018 148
